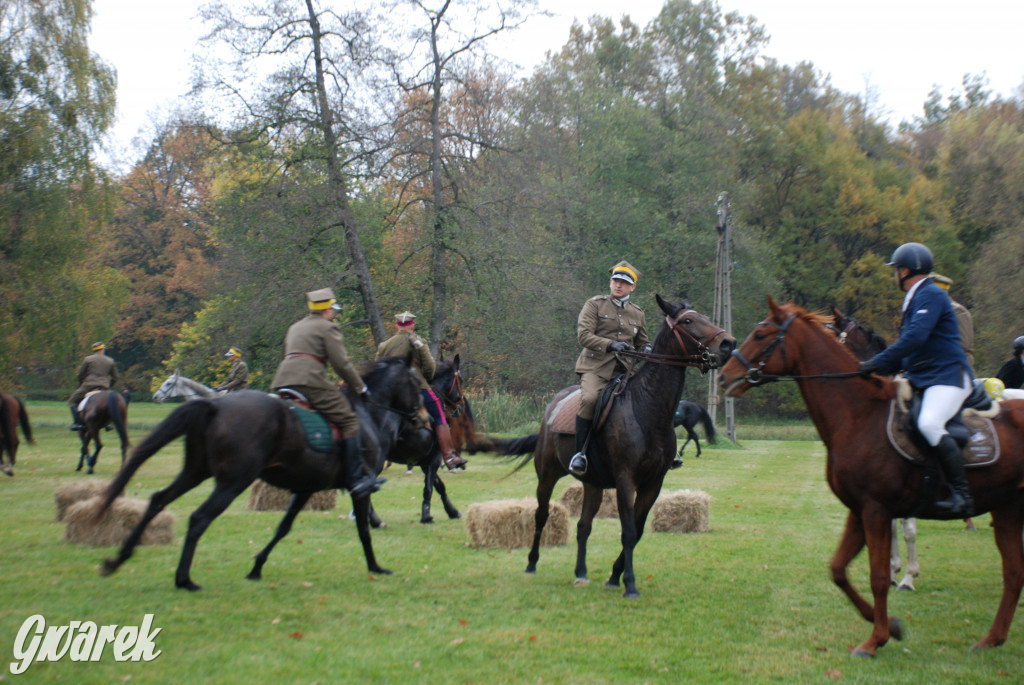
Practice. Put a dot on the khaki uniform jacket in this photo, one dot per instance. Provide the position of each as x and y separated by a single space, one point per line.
399 345
316 342
97 371
238 377
965 322
600 322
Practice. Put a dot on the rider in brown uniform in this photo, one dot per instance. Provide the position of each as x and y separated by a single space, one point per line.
607 324
310 345
97 372
399 345
238 376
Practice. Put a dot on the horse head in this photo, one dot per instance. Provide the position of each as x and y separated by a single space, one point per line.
164 391
765 357
447 382
863 342
695 337
395 387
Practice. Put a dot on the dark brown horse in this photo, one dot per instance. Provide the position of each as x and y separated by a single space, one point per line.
246 435
633 450
447 385
102 408
12 412
865 472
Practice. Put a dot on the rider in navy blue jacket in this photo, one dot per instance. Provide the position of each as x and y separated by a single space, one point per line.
930 355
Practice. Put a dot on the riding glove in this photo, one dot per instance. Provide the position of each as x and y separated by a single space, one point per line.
867 368
617 346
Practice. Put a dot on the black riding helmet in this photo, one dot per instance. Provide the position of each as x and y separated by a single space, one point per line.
913 256
1018 343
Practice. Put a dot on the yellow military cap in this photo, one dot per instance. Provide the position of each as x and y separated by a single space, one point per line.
233 352
97 346
942 281
624 271
319 300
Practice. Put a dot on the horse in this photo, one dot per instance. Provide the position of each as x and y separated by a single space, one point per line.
447 385
865 343
99 409
245 435
633 449
177 385
689 414
12 413
868 475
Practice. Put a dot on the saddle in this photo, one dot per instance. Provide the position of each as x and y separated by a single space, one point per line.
321 435
972 427
85 400
563 417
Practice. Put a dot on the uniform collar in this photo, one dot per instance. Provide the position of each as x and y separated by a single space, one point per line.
620 302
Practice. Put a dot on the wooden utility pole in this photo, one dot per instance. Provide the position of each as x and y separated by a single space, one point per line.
722 315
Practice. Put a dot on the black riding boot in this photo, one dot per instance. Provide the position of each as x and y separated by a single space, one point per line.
360 482
578 463
960 504
76 420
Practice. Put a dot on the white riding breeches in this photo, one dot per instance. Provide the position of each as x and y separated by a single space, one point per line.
939 404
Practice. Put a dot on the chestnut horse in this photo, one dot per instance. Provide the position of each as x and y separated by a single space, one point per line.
865 343
12 412
102 408
634 448
867 475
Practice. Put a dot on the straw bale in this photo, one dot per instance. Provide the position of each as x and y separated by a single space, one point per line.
572 500
118 521
509 523
682 511
79 490
265 497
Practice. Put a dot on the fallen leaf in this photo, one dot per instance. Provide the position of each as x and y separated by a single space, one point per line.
463 622
306 583
275 621
296 635
649 576
834 673
533 638
457 641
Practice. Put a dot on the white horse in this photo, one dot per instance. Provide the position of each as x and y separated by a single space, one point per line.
179 386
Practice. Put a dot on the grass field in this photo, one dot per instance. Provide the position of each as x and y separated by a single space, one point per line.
749 602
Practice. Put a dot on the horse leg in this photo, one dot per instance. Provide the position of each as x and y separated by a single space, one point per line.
219 500
895 563
1008 523
692 435
623 566
592 496
84 454
298 501
873 526
157 502
429 476
361 507
375 520
442 492
546 479
96 454
913 567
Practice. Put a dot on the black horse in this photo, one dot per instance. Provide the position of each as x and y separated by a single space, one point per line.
633 450
102 408
246 435
689 414
12 413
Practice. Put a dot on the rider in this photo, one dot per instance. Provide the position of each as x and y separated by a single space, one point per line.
607 324
97 372
929 352
399 345
1012 372
238 376
311 344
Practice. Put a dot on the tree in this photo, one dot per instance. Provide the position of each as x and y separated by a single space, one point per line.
56 100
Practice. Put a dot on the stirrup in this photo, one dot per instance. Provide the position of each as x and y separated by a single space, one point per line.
578 464
454 462
676 463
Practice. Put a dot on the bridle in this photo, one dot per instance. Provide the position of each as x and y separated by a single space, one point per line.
843 334
755 375
704 359
454 390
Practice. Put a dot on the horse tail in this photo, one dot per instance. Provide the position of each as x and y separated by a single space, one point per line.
190 419
504 446
26 427
709 425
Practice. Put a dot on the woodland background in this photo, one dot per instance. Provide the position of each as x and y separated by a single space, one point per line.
388 155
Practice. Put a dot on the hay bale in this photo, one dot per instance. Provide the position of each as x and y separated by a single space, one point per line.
78 491
682 511
572 500
265 497
509 523
118 521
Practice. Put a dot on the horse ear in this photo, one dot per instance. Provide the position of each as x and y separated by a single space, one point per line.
773 306
835 312
455 363
665 306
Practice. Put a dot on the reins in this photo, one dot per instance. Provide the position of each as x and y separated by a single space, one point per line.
756 374
703 359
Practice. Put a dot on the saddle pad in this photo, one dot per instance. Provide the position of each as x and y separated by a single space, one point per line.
85 400
314 426
563 417
982 446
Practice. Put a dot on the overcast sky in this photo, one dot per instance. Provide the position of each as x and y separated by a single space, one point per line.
899 49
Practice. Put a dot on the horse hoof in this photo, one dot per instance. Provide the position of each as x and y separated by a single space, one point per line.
190 586
7 470
454 514
254 575
581 582
906 586
108 566
380 571
530 570
895 629
861 653
427 519
631 594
